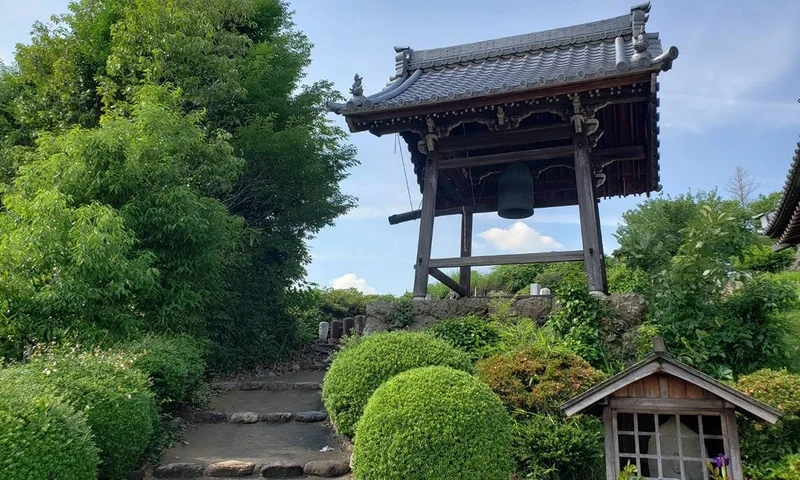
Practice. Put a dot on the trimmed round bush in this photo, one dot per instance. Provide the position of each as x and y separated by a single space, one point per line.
537 380
119 406
174 365
433 423
42 436
764 445
360 369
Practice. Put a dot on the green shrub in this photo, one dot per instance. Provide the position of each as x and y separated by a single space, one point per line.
549 447
174 365
471 334
787 469
761 258
580 323
120 408
562 275
765 444
357 371
625 279
433 423
537 380
41 434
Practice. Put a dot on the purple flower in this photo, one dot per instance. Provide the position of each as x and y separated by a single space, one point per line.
722 461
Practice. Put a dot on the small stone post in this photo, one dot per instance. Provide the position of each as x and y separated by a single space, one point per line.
349 326
361 321
324 328
336 330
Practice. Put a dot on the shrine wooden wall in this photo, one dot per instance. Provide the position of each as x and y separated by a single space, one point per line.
661 385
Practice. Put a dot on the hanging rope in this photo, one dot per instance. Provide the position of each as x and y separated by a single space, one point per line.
403 162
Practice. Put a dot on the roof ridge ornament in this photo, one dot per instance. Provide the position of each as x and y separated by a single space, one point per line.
357 90
401 59
639 16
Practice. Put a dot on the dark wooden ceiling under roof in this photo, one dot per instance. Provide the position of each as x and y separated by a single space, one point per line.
625 157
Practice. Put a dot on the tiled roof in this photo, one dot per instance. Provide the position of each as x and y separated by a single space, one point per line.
522 62
784 223
556 38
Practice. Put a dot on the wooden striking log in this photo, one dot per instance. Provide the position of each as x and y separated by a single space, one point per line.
447 281
415 214
426 225
489 260
589 216
465 272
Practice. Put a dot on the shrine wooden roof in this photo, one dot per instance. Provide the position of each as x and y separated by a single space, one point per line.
784 223
661 362
538 60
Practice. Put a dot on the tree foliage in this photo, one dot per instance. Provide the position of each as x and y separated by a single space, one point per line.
172 164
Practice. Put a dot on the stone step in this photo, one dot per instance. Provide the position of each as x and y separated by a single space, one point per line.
306 379
236 469
294 400
297 445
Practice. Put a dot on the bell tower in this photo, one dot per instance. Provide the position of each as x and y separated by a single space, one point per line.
553 118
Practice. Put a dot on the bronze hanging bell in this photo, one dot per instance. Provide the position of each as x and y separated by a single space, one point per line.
515 192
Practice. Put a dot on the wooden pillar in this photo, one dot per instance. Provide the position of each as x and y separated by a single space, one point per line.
427 214
589 215
733 444
466 248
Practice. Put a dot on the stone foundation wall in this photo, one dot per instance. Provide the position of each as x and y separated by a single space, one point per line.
629 310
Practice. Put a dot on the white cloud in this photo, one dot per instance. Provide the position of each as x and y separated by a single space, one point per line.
349 280
704 91
519 238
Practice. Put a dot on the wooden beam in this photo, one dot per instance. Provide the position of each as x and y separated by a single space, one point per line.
465 272
426 226
447 281
667 404
589 216
635 152
489 260
519 136
508 157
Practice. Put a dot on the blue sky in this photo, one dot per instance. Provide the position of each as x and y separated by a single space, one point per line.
731 99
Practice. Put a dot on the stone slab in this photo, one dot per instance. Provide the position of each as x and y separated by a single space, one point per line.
260 443
266 401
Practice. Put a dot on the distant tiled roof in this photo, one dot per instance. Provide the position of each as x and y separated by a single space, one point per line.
784 223
609 47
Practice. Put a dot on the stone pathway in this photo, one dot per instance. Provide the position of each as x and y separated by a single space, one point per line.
261 428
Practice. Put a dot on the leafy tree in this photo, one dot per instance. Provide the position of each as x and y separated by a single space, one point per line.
723 333
245 165
127 237
652 234
764 203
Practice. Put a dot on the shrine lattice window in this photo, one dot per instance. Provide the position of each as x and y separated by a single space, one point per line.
667 445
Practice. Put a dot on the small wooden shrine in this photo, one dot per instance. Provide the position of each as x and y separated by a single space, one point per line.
783 224
553 118
668 419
